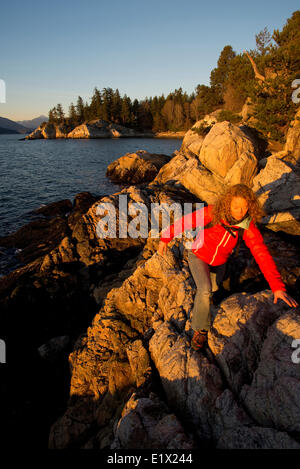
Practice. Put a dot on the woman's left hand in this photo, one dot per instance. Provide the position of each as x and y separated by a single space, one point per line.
285 297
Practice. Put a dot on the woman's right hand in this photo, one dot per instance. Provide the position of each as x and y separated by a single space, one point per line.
162 248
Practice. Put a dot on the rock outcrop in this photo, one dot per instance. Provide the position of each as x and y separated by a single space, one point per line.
186 171
292 145
226 155
49 131
149 316
91 129
276 378
135 168
229 153
146 422
194 137
277 185
278 189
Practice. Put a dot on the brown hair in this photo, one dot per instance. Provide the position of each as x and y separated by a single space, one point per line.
221 209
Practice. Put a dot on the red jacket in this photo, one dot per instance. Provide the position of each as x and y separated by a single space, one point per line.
218 244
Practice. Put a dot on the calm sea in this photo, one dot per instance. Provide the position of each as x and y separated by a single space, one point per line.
37 172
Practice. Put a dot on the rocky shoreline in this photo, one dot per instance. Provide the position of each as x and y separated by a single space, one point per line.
95 129
98 330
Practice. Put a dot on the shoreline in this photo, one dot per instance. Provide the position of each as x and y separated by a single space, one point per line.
177 135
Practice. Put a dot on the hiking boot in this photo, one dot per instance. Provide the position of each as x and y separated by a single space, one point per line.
199 340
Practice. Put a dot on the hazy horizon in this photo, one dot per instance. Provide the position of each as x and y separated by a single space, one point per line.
65 50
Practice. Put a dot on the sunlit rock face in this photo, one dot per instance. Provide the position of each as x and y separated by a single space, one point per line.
278 189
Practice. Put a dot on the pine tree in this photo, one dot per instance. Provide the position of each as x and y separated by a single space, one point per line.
51 117
263 40
116 107
168 112
80 110
219 74
55 118
238 84
87 112
135 111
126 115
274 107
107 103
206 101
60 114
144 118
72 117
96 105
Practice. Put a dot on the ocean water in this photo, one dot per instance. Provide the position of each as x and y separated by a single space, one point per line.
37 172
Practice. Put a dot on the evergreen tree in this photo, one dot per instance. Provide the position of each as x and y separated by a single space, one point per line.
263 40
168 112
87 114
72 117
107 94
206 101
116 107
144 118
159 124
126 114
55 115
135 112
80 110
179 118
96 105
60 114
51 117
188 118
239 83
219 74
274 108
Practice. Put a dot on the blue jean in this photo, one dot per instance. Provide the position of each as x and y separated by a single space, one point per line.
207 279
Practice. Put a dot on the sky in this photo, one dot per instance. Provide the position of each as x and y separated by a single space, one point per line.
52 52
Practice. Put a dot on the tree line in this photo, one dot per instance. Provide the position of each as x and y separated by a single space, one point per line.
264 75
175 112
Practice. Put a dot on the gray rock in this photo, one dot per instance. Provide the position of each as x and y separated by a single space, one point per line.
272 396
146 422
256 438
238 333
135 168
278 187
51 350
222 148
191 383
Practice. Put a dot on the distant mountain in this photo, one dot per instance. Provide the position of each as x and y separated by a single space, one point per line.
33 123
8 126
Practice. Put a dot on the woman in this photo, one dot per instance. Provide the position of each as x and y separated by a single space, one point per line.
236 210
